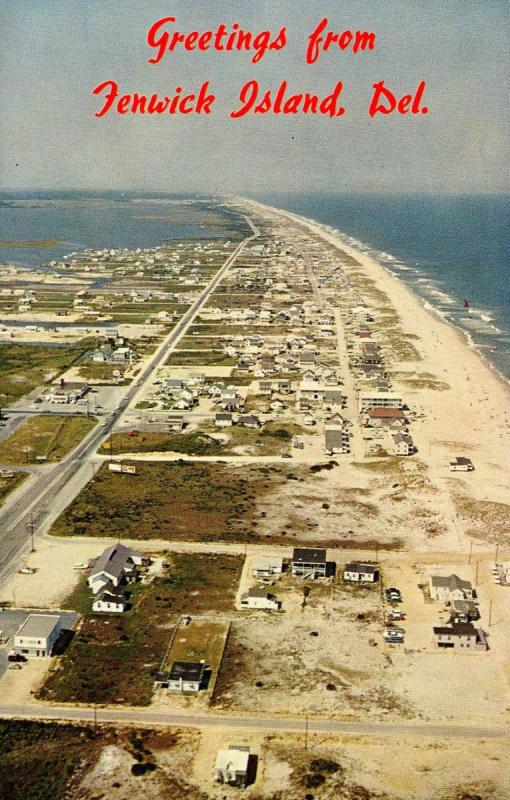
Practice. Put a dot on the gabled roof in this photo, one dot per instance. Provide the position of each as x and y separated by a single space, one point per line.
111 597
383 413
450 582
333 437
355 566
112 561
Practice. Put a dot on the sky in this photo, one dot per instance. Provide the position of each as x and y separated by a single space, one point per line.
55 52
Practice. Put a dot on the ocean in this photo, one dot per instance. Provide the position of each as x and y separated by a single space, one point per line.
447 249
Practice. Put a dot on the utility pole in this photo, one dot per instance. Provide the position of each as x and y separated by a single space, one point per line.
306 732
496 554
470 550
30 530
490 612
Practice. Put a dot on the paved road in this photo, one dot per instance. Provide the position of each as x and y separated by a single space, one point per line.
39 497
148 717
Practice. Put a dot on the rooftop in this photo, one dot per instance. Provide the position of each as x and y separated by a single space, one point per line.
457 629
450 582
38 626
187 670
309 555
235 759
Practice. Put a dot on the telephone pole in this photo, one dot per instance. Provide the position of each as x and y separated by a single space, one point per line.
30 530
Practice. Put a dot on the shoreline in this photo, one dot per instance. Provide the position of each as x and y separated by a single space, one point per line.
369 262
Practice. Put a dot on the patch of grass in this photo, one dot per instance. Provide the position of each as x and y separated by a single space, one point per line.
44 436
24 367
174 500
486 519
205 358
41 760
195 443
7 485
30 243
102 372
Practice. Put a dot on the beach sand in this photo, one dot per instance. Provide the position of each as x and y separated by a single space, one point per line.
468 416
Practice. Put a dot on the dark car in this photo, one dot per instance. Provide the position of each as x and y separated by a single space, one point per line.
16 657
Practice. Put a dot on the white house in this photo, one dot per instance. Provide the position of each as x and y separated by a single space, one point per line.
259 599
232 765
461 464
186 676
37 635
267 566
110 602
223 419
403 444
450 588
356 572
379 400
115 565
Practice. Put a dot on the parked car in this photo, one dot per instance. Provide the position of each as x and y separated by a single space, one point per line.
12 655
393 595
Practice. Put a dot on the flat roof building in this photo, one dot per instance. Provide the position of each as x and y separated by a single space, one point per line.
232 765
37 635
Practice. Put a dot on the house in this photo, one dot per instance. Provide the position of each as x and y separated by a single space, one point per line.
232 765
356 572
175 422
336 440
115 565
384 417
248 421
462 635
403 444
450 588
186 676
223 419
308 562
66 392
379 400
333 398
464 611
461 464
267 566
110 601
37 635
259 599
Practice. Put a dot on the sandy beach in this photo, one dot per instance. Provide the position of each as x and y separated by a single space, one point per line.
469 415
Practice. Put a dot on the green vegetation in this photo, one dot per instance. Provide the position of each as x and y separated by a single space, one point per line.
7 485
193 501
45 437
24 367
102 373
197 443
30 243
113 659
38 760
205 358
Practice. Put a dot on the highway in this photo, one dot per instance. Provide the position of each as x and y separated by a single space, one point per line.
133 716
40 499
